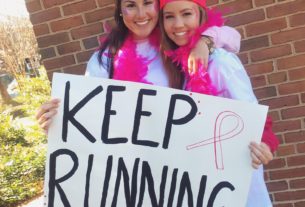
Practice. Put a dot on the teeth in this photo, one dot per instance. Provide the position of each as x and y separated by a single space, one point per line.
142 22
180 33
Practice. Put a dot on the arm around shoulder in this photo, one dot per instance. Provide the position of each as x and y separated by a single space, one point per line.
225 37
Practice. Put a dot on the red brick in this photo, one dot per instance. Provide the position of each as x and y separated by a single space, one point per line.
265 92
48 3
87 31
47 53
282 126
258 81
263 3
301 147
254 43
284 150
280 102
277 186
297 160
293 112
76 69
294 137
100 14
41 29
271 52
235 6
243 58
298 183
90 43
84 56
299 204
246 18
66 24
53 39
278 77
59 62
265 27
274 115
45 15
68 48
294 87
303 97
291 62
103 3
276 163
283 205
297 20
33 6
288 35
287 173
297 74
289 196
286 8
79 7
299 46
260 68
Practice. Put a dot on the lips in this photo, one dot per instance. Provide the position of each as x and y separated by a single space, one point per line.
179 34
142 22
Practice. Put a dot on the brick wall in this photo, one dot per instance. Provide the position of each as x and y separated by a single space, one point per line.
273 51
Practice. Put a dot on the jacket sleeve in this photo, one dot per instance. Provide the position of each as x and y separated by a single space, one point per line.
224 37
268 136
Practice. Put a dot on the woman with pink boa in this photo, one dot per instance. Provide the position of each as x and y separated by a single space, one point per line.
182 22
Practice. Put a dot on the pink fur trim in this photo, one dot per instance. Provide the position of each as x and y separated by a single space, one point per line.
131 66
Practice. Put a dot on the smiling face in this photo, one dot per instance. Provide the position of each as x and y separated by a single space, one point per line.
140 16
181 19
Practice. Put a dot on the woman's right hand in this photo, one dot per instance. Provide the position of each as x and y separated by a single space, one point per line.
46 113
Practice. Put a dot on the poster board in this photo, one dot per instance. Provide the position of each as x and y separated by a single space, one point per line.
115 143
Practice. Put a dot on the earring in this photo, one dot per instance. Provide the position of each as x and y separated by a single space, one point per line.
121 14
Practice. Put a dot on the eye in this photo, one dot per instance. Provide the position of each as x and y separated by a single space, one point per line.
168 16
130 5
187 14
148 2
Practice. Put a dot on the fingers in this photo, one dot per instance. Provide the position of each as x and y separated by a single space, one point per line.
46 113
190 66
49 105
195 65
46 116
260 154
255 161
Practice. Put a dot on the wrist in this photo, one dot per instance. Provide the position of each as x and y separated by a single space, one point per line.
209 42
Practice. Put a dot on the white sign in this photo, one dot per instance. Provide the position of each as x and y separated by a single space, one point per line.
117 143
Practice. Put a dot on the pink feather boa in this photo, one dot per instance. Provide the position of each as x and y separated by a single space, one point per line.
131 66
200 81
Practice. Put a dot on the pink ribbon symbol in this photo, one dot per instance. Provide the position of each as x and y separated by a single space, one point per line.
218 137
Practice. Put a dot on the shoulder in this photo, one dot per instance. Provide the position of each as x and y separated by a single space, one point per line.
94 68
228 62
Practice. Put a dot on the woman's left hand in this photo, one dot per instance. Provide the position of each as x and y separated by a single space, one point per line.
198 57
260 154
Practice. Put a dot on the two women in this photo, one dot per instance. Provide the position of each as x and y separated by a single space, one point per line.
131 52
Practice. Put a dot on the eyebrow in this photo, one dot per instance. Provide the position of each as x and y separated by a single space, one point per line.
183 10
127 1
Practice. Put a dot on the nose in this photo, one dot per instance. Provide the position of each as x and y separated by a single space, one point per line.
178 22
141 12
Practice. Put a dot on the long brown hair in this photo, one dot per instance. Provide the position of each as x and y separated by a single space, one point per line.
114 40
168 44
